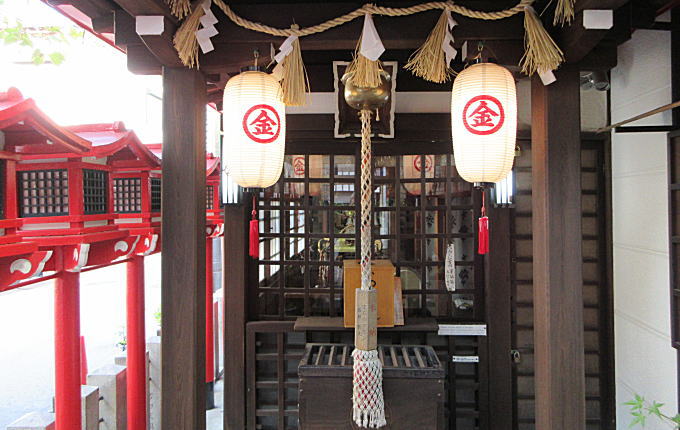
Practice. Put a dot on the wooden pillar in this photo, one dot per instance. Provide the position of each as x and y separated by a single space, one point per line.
235 262
183 263
557 261
498 291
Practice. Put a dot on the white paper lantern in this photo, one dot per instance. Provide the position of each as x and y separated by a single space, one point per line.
484 122
411 166
298 172
254 129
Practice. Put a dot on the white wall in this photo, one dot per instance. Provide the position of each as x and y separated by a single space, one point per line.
27 333
645 360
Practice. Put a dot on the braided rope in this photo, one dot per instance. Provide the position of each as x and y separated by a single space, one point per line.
368 406
365 199
372 9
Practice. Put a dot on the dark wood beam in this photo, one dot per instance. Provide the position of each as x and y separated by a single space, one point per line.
234 270
183 235
598 4
140 61
557 257
576 41
124 33
147 7
103 23
160 46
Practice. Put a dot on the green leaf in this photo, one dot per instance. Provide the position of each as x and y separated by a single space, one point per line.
56 58
655 409
38 57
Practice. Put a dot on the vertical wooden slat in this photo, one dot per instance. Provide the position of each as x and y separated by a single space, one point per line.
675 65
281 379
251 338
557 255
183 266
234 273
606 296
499 328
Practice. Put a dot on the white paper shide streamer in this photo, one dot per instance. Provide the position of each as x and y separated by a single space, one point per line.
450 268
447 45
371 45
208 29
285 49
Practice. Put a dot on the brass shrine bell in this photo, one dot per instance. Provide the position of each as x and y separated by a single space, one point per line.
365 98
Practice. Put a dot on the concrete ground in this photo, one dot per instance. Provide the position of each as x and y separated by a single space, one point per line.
214 416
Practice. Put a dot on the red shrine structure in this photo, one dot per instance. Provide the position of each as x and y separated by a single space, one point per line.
76 199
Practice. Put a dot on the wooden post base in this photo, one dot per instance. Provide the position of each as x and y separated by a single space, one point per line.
366 320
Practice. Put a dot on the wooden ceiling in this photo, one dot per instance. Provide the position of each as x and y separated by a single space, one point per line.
591 49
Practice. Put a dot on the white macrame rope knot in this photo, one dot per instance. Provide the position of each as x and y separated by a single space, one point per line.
365 199
367 395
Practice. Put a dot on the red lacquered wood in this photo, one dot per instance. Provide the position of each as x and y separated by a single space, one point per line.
136 350
67 350
209 324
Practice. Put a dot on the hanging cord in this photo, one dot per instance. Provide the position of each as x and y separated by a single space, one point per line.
368 408
366 203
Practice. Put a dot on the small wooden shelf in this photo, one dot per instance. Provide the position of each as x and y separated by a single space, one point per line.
337 324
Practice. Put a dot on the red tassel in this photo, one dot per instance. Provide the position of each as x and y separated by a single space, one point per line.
254 238
483 235
254 248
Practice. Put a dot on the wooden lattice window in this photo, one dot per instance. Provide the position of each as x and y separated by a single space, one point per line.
308 227
95 187
155 194
209 197
43 192
127 195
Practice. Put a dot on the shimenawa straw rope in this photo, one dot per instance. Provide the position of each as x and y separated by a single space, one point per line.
564 12
429 61
180 8
542 53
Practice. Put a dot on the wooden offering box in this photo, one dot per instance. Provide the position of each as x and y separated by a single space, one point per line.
383 277
413 387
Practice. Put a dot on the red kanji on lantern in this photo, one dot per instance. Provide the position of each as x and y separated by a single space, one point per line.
299 166
261 123
417 162
483 115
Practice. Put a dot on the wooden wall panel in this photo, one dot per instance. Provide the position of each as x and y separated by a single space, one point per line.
596 288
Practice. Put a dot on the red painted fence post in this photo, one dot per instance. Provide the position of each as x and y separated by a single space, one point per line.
83 361
209 326
136 346
67 351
